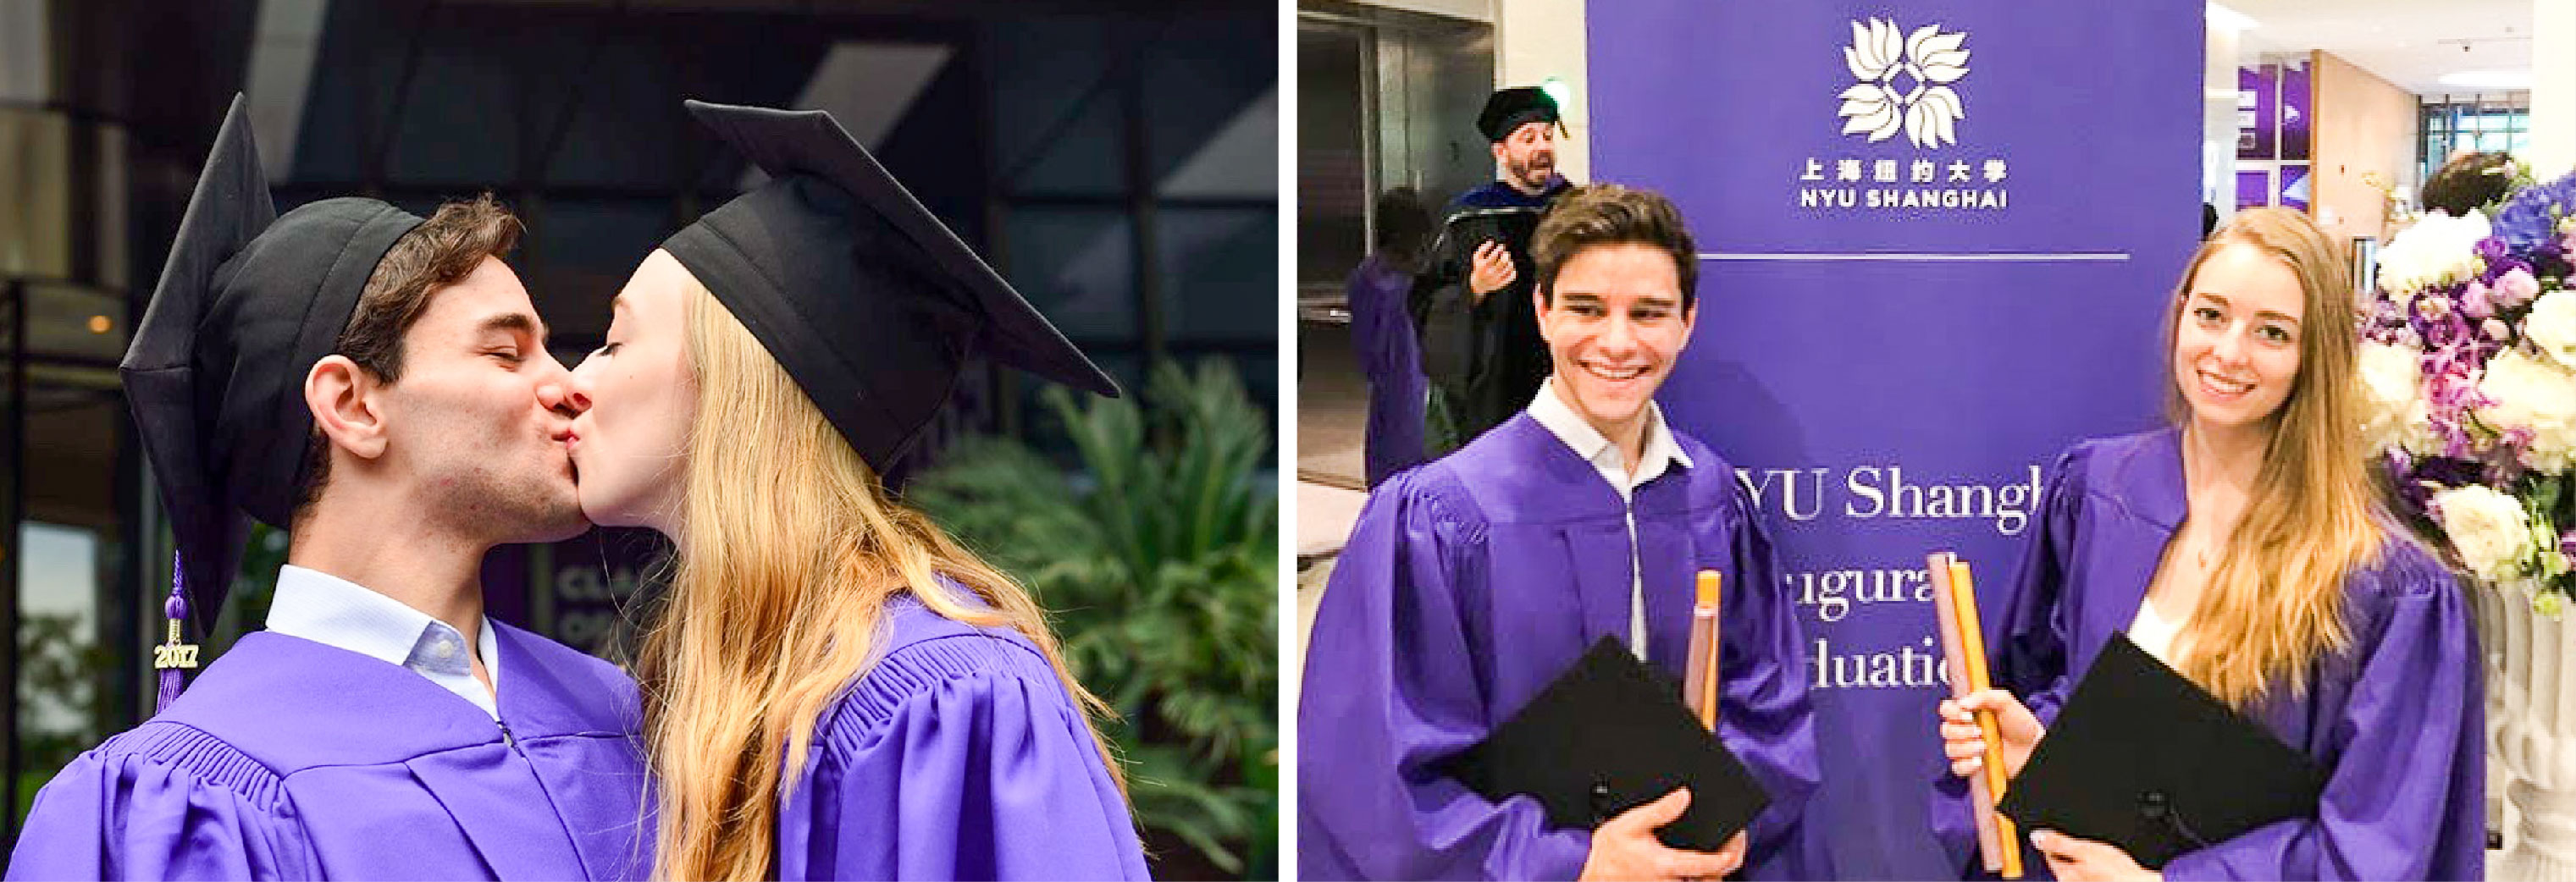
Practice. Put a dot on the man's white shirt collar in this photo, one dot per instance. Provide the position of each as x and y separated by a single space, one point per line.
1660 453
336 612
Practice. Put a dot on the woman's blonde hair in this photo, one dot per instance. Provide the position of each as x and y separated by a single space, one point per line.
788 552
2273 604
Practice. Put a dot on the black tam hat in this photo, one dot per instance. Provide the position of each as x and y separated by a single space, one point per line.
869 302
1511 108
247 303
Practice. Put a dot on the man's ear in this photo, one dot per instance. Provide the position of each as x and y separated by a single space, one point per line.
341 396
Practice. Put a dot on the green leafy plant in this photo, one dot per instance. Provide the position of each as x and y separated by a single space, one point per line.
1159 562
60 665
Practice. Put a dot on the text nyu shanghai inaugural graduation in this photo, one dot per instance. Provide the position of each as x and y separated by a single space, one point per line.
1880 493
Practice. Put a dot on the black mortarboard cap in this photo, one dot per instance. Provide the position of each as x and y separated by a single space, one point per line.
1509 109
870 303
1609 735
246 304
2146 760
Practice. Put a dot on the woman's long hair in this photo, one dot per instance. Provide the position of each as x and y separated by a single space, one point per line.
2273 604
787 555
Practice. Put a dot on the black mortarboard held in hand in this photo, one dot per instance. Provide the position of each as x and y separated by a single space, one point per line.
1509 109
246 304
869 302
2146 760
1609 735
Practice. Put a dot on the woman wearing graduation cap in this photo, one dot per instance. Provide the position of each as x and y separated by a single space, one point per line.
2249 549
835 688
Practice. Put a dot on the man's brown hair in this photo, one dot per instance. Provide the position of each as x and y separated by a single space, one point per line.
440 252
1609 214
2469 181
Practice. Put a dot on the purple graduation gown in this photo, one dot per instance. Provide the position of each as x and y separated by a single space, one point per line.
2398 721
1382 334
957 756
288 759
1468 585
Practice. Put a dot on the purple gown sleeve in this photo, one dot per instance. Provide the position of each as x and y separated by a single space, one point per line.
163 801
1765 717
957 758
1389 691
2031 660
2404 799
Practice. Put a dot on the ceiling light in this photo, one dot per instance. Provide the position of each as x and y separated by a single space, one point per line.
2223 17
2488 79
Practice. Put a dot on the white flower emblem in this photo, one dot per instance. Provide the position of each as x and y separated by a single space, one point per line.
1904 82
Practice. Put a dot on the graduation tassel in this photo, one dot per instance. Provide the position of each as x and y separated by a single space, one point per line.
172 658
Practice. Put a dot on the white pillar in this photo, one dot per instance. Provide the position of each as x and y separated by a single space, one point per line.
1539 40
2553 88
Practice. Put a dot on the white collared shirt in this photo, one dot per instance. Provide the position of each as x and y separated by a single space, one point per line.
336 612
2152 632
1658 455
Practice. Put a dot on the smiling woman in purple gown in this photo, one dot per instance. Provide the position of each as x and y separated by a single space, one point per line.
2249 550
834 689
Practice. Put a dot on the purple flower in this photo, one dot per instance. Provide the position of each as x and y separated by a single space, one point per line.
2515 288
2446 472
2450 391
2493 248
2498 267
2474 303
2531 217
2567 544
2419 496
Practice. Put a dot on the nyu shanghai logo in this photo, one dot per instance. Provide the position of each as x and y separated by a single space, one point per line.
1907 83
1904 83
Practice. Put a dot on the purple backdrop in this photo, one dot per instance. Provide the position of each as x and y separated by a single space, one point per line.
1890 377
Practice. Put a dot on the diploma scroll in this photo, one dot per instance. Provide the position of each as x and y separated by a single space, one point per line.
1954 600
1700 680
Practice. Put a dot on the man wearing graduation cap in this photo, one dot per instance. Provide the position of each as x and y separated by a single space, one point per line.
377 385
1480 343
1471 584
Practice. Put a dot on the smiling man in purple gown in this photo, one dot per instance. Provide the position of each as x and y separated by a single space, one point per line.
378 385
1472 582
